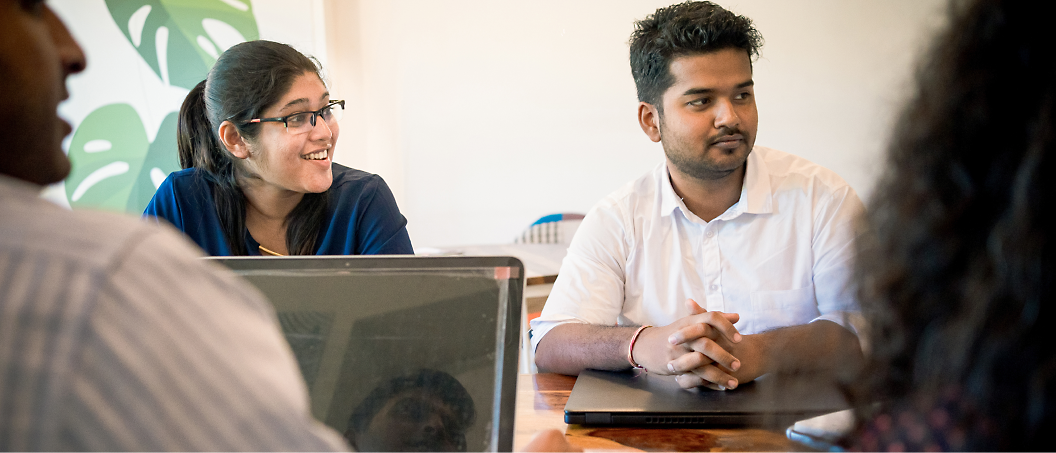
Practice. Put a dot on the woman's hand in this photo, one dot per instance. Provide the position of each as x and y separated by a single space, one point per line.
550 440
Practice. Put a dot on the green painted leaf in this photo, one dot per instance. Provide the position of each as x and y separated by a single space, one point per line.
193 33
161 159
107 152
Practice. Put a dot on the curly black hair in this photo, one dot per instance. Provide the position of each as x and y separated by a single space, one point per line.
684 29
433 384
957 274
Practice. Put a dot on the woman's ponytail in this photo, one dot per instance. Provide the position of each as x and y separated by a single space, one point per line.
195 141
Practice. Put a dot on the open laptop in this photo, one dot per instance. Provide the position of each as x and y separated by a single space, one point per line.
642 399
402 353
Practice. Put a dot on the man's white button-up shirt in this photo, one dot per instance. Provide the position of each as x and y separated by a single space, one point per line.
781 256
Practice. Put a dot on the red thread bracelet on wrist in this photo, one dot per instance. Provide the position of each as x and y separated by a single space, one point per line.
630 349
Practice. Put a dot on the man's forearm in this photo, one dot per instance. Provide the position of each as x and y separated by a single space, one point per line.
573 347
818 346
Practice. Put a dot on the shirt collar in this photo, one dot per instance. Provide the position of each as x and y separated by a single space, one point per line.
669 200
17 186
756 195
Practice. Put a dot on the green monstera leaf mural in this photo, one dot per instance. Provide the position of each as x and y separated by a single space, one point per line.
160 160
181 39
114 165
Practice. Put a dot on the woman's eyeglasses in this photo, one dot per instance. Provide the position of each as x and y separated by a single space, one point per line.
302 122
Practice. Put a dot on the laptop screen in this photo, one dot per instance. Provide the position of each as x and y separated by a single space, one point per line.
402 353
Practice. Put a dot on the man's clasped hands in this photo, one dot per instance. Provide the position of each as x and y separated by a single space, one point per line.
702 349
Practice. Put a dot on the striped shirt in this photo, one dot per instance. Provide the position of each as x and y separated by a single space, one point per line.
115 336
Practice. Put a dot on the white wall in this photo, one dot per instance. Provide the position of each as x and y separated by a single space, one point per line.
484 115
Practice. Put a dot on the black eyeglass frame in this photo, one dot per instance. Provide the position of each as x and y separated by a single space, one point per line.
285 119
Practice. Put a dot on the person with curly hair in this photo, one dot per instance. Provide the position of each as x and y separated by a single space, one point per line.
958 272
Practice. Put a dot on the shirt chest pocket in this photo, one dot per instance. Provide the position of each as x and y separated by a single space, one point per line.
773 309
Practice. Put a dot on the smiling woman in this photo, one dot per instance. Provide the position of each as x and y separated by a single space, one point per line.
256 140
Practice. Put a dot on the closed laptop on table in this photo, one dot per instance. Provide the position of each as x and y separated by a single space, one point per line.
639 398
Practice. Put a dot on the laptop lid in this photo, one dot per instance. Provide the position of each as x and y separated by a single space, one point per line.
639 398
402 353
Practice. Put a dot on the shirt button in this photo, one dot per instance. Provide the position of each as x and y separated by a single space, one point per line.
714 287
709 234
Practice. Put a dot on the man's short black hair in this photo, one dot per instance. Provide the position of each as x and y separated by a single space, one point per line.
684 29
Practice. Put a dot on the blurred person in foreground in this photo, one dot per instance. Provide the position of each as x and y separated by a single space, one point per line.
114 335
957 278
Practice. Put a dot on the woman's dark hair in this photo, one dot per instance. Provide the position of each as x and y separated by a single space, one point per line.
679 30
459 413
246 79
957 273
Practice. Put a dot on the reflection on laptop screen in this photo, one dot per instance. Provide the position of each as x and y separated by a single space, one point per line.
402 353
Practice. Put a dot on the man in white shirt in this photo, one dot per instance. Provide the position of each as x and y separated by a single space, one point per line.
114 334
742 256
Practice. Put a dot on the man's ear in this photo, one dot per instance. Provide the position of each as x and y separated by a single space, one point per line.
232 140
649 119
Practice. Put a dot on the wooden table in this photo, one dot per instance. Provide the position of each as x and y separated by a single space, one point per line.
541 402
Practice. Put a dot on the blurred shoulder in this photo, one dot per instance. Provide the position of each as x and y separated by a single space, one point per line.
344 176
32 226
789 171
351 184
641 193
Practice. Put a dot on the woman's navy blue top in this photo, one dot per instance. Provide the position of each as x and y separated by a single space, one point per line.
362 217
